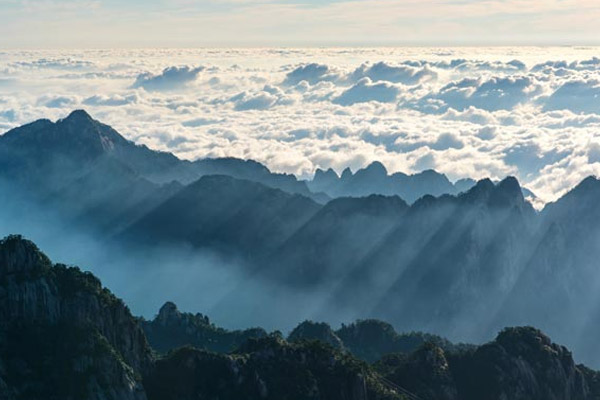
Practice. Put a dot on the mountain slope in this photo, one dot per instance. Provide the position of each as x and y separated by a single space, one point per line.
61 334
224 213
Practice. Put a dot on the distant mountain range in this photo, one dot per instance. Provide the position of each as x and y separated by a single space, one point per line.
462 260
64 336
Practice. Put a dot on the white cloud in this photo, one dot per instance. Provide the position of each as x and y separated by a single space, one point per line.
405 74
170 78
467 112
366 90
579 96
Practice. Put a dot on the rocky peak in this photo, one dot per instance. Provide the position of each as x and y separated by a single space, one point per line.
79 116
346 174
20 255
325 176
481 190
168 314
375 169
508 193
590 186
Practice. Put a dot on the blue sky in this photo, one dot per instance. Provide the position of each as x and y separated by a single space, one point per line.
181 23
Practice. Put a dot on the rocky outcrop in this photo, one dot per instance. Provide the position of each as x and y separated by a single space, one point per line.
520 364
62 335
309 330
172 329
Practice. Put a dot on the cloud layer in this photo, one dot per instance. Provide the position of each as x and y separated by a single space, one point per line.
533 113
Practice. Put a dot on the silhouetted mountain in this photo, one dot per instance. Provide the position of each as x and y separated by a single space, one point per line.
87 169
254 171
320 250
221 212
172 329
374 179
447 259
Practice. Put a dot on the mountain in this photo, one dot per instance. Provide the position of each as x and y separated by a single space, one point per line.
335 237
61 334
48 154
374 179
267 368
446 259
520 364
64 336
435 264
92 175
221 212
172 329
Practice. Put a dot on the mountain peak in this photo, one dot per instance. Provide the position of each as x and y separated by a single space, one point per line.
346 174
588 185
377 168
19 255
168 313
79 115
508 192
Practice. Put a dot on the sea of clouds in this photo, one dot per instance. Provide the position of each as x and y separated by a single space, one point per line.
468 112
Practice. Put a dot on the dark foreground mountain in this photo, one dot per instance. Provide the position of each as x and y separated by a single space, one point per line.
64 336
520 364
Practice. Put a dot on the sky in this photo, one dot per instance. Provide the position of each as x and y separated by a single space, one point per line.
256 23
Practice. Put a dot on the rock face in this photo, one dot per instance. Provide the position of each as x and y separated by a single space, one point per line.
267 368
172 329
61 334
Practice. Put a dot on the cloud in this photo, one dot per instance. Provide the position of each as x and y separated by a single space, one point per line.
467 112
53 63
579 96
405 74
496 93
311 73
170 78
365 91
447 141
114 100
268 97
58 101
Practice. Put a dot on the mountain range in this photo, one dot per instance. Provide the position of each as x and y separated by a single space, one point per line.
65 336
462 260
